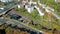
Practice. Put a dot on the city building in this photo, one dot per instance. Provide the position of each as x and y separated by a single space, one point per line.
32 2
20 6
39 10
24 2
29 8
57 0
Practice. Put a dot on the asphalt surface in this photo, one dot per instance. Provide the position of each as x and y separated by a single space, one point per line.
18 23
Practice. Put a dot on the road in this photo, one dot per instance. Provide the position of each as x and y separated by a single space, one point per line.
23 17
5 12
15 22
26 25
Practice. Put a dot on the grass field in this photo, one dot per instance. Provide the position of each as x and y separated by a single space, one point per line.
52 4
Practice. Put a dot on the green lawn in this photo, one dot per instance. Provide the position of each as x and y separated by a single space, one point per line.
34 16
43 20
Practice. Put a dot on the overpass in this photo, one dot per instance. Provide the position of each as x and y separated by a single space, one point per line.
5 12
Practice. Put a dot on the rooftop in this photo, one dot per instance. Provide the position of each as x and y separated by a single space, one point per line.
57 0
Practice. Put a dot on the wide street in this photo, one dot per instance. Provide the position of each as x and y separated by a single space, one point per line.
19 24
